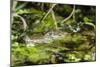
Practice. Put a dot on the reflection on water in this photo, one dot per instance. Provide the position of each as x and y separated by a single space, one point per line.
47 38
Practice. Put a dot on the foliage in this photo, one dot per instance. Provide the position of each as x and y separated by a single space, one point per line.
40 20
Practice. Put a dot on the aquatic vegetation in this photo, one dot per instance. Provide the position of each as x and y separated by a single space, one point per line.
47 33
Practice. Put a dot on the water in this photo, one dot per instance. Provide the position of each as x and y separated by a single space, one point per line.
47 38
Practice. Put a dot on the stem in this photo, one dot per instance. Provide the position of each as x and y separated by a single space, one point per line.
54 19
21 6
69 15
23 20
42 6
74 14
48 12
16 15
14 4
